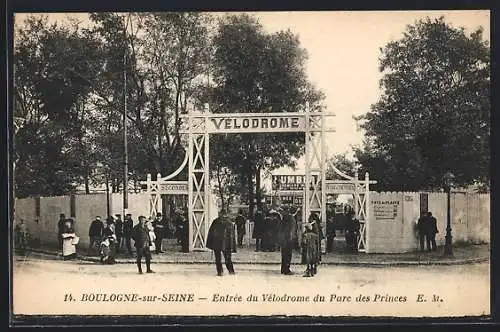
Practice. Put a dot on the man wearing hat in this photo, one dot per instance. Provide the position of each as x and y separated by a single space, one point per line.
221 240
142 240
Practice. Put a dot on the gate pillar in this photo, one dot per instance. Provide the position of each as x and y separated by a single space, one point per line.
315 193
198 183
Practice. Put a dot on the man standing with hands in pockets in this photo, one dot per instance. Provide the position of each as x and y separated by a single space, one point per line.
140 235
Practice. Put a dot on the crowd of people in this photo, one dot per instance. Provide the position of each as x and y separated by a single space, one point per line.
115 234
278 228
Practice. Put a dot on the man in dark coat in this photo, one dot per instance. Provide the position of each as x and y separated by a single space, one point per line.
240 222
287 236
118 231
267 236
431 232
220 239
128 226
422 230
352 232
178 221
258 229
273 220
140 234
95 232
159 229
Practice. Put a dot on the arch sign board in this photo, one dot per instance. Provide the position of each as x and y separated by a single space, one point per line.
248 123
294 182
173 187
255 123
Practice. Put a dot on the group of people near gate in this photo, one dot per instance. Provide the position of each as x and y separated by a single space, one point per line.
265 230
114 235
281 235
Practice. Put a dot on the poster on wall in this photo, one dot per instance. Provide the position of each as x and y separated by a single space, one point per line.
385 209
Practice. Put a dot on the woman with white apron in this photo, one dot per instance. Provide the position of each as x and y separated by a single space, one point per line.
69 239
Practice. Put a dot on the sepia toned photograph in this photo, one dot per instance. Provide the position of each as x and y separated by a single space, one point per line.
323 164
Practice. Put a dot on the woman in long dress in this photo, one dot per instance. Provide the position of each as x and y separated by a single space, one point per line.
69 240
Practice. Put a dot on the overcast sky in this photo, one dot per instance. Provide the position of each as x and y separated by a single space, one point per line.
344 48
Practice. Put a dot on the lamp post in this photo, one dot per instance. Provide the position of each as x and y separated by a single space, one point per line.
447 181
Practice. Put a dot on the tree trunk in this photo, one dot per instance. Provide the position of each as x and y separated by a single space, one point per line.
108 207
251 195
221 190
258 193
86 179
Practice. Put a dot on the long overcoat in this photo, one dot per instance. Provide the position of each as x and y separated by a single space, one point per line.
287 234
221 235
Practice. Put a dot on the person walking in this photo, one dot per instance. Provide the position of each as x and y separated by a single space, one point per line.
95 232
432 230
286 237
220 239
128 226
240 222
258 228
140 235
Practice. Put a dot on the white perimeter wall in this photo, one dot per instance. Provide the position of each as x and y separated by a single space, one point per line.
470 219
387 233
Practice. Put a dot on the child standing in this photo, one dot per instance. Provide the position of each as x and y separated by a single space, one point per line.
311 245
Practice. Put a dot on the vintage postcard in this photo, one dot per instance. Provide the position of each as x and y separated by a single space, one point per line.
323 164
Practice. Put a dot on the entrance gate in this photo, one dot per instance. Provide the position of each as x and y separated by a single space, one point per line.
360 189
199 125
